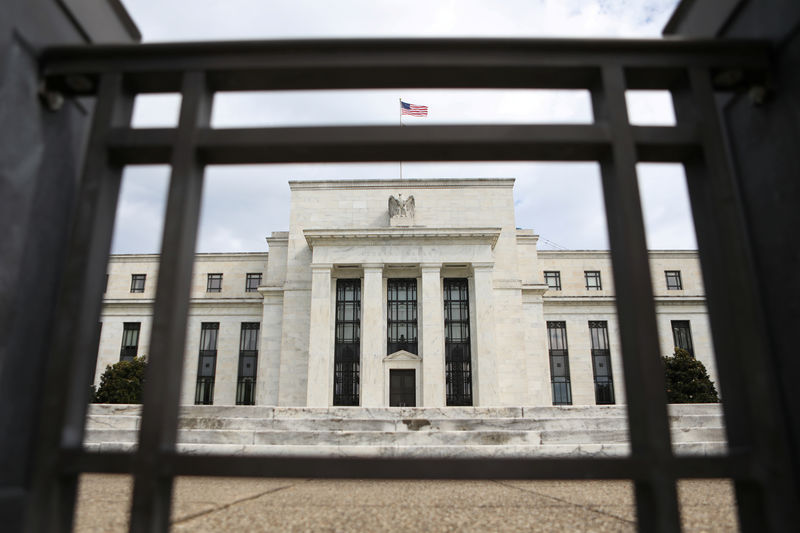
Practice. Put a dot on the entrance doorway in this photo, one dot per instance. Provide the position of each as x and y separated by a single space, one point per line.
402 388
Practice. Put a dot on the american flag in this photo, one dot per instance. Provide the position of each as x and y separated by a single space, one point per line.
413 110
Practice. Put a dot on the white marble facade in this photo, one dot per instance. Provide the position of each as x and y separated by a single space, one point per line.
442 229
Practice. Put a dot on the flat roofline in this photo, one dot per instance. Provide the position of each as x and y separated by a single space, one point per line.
415 183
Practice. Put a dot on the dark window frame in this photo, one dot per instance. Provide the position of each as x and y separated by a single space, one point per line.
682 335
594 276
402 315
601 363
560 380
249 278
347 343
130 350
214 282
674 281
138 282
555 275
207 353
247 376
457 343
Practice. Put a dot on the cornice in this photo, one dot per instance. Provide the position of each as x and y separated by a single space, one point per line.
683 254
335 237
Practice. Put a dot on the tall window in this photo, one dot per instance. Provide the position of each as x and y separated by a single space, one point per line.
682 335
601 363
457 356
347 349
248 362
593 282
105 287
252 281
207 364
214 283
401 326
137 282
559 363
130 341
673 280
553 280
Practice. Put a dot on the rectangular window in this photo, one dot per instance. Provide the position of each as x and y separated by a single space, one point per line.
457 355
248 364
105 287
137 282
347 349
207 364
130 341
673 280
553 280
601 363
593 280
401 325
682 335
214 283
252 282
559 363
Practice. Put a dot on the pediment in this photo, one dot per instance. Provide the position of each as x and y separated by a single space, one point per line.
402 355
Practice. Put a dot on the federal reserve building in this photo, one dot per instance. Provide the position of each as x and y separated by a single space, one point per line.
400 293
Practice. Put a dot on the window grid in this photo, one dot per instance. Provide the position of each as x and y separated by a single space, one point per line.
252 282
553 279
458 358
347 349
601 363
137 282
559 363
248 364
130 341
401 321
682 335
593 282
214 283
674 282
207 364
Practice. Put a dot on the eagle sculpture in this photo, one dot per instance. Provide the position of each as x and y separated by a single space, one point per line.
401 208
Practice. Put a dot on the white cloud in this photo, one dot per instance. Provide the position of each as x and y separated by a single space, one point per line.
241 205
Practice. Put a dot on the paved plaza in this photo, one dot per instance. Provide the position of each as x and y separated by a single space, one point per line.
226 504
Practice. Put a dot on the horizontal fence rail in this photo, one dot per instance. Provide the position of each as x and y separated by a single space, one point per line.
691 69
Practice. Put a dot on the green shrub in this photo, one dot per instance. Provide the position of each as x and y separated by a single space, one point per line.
687 379
122 382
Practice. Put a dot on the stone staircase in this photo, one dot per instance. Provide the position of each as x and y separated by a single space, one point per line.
697 429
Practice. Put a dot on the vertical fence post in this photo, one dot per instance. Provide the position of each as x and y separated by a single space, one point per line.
656 498
753 409
153 486
73 355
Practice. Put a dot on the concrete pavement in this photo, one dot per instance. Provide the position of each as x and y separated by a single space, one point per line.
228 504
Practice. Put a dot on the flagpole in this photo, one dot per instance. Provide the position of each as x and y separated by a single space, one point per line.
401 125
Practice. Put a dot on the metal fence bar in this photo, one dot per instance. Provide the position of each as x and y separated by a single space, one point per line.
152 492
656 496
73 354
753 410
395 63
512 142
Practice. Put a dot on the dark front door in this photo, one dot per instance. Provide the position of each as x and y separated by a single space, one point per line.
402 388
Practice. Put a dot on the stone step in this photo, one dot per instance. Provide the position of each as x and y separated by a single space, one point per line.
413 424
407 438
398 413
555 450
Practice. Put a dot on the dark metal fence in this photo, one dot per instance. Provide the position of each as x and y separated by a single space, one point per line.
694 71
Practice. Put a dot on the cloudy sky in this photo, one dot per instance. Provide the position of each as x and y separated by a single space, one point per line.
243 204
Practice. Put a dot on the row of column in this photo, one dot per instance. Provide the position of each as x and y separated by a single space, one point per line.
373 333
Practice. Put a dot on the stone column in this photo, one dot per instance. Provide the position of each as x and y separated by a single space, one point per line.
482 327
433 390
372 335
319 391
